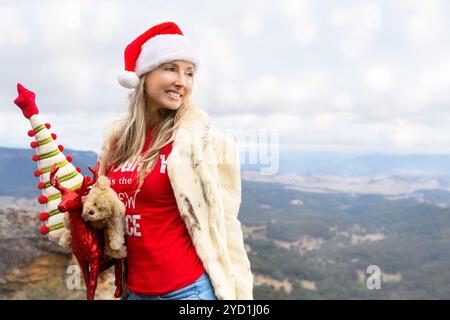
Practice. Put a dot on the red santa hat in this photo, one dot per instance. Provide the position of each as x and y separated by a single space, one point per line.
160 44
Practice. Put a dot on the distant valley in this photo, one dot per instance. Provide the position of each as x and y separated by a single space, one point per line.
308 235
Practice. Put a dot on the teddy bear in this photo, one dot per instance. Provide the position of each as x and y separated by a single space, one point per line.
103 209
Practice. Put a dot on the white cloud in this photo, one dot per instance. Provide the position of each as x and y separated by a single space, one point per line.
379 77
305 31
429 90
324 131
422 26
295 8
252 24
106 22
304 22
404 134
355 43
340 17
228 96
435 81
220 52
358 22
305 88
76 75
292 94
324 119
343 101
264 91
12 29
319 73
14 127
74 129
424 23
59 25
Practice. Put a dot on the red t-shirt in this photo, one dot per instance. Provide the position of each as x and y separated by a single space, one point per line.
161 255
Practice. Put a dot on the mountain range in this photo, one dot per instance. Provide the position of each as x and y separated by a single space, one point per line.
310 170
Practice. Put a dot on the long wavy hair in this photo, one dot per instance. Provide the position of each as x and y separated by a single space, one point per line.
130 138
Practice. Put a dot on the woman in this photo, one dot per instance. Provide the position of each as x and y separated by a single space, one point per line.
179 178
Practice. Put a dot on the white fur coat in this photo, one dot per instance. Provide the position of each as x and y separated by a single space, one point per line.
204 172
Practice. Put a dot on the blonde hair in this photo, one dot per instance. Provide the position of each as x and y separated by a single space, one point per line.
131 135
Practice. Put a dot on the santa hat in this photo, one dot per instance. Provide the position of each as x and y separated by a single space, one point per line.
160 44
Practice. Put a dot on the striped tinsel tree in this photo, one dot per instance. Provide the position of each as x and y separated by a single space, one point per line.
48 153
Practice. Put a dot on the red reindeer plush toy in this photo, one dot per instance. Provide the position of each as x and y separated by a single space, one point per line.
87 243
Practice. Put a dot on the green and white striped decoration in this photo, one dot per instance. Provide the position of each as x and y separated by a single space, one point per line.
48 153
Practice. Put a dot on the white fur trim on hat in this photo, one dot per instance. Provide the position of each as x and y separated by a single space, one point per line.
128 79
164 48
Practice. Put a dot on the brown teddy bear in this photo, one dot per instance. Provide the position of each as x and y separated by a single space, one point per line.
103 209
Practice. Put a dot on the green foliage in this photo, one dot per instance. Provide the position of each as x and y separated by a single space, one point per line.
265 292
286 230
415 244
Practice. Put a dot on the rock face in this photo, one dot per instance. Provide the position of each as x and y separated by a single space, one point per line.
26 257
31 266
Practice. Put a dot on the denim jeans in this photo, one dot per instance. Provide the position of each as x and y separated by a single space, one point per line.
201 289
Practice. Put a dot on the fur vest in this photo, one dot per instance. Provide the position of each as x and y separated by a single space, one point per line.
204 172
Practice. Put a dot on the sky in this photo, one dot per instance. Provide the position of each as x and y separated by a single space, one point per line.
342 76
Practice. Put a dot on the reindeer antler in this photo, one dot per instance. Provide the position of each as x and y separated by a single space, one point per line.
95 171
54 181
87 181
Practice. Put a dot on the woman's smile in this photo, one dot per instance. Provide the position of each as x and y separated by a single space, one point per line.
173 94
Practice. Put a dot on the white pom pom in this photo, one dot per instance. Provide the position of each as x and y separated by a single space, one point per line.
128 79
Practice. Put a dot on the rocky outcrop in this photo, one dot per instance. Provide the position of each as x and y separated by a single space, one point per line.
31 266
